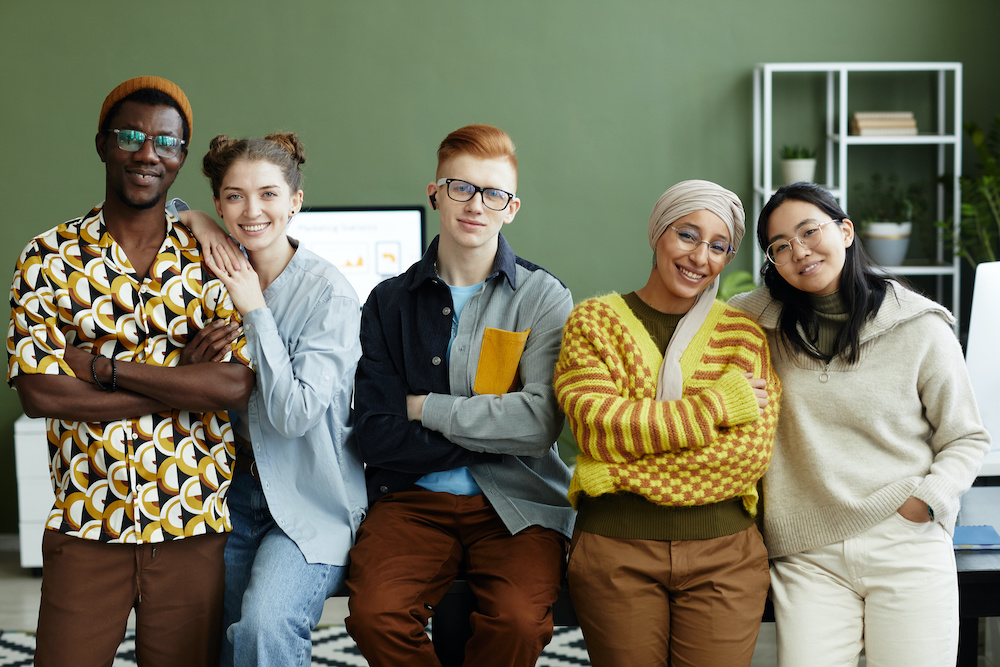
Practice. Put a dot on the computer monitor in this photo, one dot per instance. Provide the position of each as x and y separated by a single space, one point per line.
367 244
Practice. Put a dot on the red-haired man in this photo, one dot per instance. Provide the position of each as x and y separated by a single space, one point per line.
456 420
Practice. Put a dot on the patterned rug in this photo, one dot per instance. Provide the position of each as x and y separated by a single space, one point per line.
332 647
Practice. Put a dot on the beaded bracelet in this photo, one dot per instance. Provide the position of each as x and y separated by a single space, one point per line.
114 375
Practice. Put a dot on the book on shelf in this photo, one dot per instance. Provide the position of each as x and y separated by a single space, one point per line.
882 123
882 115
976 538
883 131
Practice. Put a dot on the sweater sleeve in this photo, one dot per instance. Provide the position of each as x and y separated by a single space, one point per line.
712 445
958 441
594 386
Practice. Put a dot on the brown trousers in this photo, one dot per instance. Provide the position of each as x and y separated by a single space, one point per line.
682 603
409 549
89 588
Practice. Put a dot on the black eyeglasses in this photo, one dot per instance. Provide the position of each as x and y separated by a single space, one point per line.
163 145
493 198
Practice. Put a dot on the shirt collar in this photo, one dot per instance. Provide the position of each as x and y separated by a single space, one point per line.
94 230
504 263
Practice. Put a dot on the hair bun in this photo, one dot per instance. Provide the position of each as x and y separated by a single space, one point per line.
290 142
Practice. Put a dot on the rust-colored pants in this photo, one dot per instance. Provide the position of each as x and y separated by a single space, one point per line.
409 549
89 588
682 603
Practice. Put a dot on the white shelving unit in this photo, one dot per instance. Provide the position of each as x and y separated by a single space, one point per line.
946 135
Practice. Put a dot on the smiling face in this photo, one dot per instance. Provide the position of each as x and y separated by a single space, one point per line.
140 180
814 270
256 202
471 225
680 274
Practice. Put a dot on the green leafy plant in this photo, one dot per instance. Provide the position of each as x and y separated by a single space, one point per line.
735 282
797 152
883 199
979 235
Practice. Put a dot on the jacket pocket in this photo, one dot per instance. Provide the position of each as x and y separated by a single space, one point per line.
498 360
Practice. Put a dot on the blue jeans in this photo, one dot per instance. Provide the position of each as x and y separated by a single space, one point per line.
274 598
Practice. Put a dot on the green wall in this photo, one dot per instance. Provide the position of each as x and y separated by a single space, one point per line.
610 102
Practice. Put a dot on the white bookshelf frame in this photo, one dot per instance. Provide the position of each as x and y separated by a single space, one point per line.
946 136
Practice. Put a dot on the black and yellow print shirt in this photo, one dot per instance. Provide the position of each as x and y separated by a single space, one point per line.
153 478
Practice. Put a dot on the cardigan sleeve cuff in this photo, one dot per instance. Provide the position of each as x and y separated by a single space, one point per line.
739 402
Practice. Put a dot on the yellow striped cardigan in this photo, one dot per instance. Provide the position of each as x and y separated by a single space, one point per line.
711 445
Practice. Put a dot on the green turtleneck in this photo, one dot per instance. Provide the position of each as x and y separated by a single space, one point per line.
831 315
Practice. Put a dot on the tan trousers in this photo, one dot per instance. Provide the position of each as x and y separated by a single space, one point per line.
683 603
89 588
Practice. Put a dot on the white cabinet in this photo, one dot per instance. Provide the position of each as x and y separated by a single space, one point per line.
944 133
34 487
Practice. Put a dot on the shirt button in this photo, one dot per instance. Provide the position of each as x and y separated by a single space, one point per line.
383 489
446 310
436 361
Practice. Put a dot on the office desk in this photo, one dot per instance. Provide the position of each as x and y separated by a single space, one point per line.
978 572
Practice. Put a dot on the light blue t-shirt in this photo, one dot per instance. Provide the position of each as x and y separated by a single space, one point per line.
458 481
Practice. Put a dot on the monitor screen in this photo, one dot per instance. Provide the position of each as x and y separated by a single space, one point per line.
368 245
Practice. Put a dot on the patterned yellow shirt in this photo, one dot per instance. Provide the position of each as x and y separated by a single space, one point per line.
153 478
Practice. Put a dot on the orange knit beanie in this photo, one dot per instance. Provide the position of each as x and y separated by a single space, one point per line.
148 82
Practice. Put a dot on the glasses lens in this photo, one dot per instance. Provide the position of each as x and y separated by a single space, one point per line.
166 146
461 191
810 236
779 252
495 199
687 238
130 140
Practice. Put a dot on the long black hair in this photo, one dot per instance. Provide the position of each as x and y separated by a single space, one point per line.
861 286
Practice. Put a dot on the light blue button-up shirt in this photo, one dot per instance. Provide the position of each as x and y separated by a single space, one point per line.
305 348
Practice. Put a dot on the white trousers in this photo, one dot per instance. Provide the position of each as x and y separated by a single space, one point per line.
892 590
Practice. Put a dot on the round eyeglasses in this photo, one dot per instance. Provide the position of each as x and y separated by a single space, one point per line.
808 236
493 198
163 145
689 240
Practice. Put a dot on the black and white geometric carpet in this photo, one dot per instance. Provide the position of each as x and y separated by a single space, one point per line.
332 647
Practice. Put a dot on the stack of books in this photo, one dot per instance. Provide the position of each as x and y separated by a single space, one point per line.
883 123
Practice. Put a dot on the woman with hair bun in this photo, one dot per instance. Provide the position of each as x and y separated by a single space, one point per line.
298 490
879 437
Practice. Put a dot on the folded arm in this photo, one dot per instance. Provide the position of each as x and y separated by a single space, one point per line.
201 387
614 428
524 422
386 436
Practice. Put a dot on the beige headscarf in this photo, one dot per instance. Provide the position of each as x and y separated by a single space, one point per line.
682 199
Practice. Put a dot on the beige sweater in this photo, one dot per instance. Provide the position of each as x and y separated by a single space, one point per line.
854 442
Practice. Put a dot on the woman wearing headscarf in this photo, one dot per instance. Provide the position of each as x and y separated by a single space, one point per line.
673 401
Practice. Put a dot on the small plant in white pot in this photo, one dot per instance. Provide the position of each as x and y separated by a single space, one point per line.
889 211
798 163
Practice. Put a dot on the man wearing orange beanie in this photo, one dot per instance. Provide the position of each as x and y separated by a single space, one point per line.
140 444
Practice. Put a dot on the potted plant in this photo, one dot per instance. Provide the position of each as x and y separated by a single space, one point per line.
888 211
798 163
735 282
979 236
